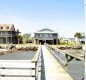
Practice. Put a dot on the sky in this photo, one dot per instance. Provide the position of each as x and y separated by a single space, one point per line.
65 17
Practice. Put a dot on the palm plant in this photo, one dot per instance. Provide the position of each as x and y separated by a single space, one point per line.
77 34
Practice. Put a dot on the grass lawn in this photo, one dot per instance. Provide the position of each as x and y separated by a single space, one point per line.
28 44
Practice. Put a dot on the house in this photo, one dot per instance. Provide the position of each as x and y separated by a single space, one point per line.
82 39
46 35
71 39
8 33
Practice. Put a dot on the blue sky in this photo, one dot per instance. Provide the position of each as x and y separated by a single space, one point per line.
63 16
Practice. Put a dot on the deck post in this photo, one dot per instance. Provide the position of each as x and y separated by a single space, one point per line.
58 56
35 70
66 61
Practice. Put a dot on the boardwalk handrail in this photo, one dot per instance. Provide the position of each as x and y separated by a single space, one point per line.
77 57
68 57
55 55
35 60
36 56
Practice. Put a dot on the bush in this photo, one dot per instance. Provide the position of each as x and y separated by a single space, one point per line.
63 43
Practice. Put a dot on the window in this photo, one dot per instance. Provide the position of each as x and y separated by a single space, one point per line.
7 27
50 35
45 35
9 32
1 27
40 35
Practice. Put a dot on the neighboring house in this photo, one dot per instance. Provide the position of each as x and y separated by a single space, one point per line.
71 39
8 34
46 35
81 40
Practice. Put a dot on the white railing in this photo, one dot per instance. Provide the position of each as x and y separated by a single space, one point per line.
19 69
67 56
36 60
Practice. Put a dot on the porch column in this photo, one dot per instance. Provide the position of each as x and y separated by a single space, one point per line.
34 41
56 41
6 37
53 41
37 41
11 36
45 41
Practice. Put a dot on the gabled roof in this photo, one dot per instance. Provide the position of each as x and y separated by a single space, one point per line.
45 30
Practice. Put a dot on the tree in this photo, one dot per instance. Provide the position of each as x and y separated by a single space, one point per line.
26 37
19 37
77 34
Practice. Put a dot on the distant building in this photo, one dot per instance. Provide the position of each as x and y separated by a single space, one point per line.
46 35
8 34
81 40
71 39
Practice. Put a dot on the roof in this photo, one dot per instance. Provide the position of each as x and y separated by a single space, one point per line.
7 27
45 30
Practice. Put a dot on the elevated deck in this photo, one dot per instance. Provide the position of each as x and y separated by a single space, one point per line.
53 70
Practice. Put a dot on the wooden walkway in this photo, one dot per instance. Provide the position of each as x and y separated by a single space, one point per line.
16 70
25 69
53 70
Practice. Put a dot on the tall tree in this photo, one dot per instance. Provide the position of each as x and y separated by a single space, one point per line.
77 34
26 35
19 37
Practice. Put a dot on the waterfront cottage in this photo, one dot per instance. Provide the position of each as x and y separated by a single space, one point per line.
8 33
46 35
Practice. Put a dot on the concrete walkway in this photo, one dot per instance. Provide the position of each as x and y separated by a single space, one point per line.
53 70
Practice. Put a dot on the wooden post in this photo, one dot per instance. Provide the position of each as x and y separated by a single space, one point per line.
66 61
6 37
11 36
34 41
58 56
36 70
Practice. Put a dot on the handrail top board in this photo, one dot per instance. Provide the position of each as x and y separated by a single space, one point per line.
70 54
35 58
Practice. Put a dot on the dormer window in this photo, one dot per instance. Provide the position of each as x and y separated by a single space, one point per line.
7 27
1 27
